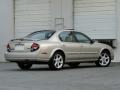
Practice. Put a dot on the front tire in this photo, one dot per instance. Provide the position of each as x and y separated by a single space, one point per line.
57 61
24 66
104 59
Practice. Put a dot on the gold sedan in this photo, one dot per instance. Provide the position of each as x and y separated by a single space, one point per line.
57 48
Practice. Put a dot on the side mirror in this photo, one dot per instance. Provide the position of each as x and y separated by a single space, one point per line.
92 41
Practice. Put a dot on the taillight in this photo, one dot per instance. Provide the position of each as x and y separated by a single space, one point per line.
8 47
34 47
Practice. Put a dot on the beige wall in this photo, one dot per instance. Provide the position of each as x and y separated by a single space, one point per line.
6 24
62 14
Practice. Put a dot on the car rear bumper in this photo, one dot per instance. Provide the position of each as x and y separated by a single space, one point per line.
18 56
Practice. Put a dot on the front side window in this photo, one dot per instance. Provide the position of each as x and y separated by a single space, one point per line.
67 36
40 35
81 37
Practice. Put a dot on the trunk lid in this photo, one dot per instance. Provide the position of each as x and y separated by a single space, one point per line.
21 45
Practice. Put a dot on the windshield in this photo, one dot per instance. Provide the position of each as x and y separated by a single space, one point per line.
40 35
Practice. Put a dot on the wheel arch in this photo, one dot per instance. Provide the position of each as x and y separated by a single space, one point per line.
105 50
58 50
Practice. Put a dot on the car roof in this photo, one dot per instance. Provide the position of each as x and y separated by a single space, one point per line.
57 30
66 30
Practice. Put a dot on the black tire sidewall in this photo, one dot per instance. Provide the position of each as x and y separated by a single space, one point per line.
24 66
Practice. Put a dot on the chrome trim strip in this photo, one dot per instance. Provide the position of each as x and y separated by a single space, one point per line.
81 52
82 60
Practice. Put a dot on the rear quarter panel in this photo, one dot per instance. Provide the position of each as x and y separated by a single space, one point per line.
47 49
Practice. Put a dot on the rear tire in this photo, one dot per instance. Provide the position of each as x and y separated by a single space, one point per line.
74 64
24 66
104 60
57 61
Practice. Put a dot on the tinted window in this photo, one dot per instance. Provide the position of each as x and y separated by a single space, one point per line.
81 37
40 35
67 36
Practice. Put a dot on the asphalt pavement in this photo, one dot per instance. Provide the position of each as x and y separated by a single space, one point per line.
85 77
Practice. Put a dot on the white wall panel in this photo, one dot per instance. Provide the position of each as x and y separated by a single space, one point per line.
96 18
31 15
6 25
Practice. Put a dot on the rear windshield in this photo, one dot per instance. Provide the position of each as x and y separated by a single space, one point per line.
40 35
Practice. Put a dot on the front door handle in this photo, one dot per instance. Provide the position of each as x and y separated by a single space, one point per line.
63 45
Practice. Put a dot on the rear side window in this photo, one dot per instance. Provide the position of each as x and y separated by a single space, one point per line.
67 36
40 35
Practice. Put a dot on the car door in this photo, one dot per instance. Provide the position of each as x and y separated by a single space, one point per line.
87 49
69 45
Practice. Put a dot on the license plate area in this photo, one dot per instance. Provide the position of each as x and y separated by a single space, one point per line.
19 47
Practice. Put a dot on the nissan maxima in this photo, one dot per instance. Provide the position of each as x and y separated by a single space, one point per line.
57 48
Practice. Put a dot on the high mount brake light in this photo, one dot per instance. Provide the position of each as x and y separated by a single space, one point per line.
34 47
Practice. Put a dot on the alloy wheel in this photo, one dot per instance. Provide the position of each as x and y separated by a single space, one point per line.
104 59
57 61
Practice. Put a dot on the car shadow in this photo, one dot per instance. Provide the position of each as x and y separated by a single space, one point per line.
66 67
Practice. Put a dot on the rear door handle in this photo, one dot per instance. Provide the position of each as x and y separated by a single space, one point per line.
82 46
